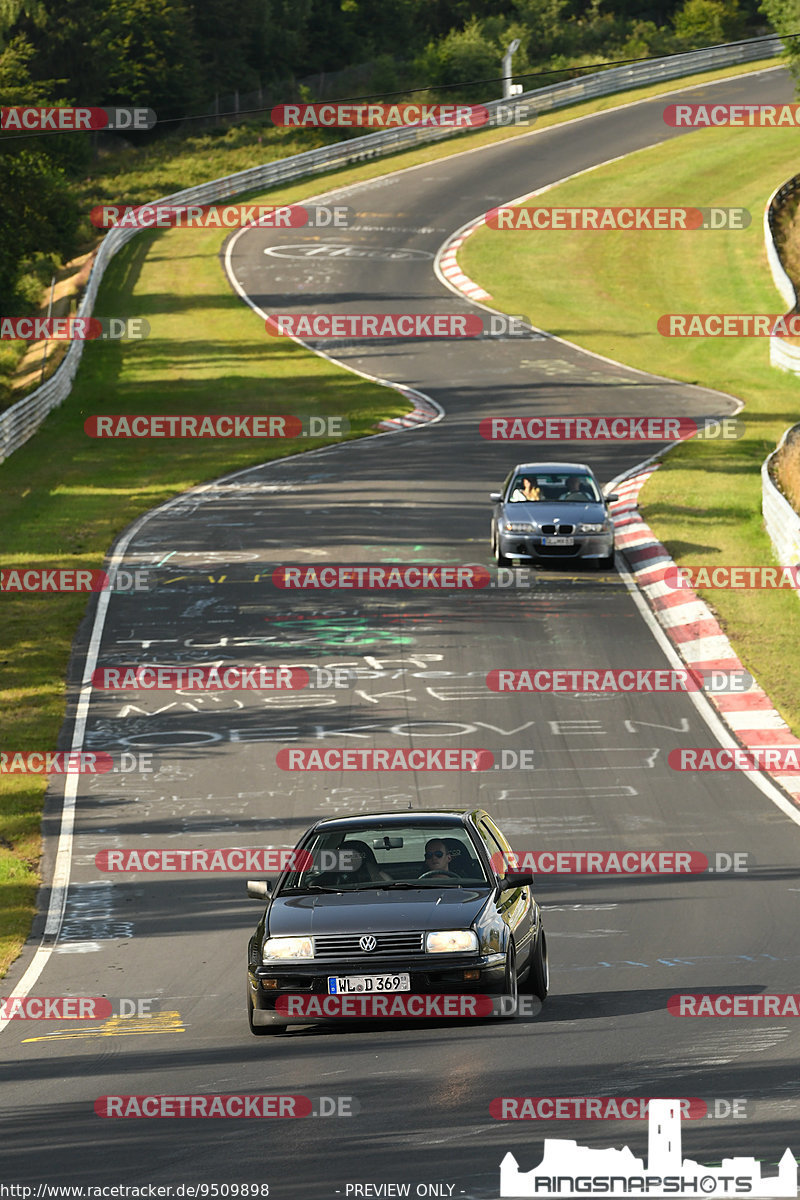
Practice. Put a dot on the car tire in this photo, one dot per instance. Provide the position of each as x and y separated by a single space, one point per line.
510 984
539 978
606 563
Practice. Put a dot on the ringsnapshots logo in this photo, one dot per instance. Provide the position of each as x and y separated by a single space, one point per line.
567 1169
70 119
72 579
534 218
609 429
363 326
221 216
69 329
266 426
379 116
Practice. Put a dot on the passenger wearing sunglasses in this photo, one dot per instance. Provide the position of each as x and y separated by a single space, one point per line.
437 859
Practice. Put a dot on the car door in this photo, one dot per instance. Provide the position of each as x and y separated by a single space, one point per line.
515 905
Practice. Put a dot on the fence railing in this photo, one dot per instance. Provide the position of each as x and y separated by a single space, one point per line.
20 422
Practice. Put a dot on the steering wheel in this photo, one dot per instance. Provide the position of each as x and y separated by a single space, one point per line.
441 871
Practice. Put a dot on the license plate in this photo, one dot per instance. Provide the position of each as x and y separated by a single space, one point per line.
345 985
558 541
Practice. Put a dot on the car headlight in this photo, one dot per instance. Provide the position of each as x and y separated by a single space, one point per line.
451 941
520 527
288 947
601 528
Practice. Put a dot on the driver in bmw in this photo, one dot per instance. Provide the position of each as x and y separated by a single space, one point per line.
437 857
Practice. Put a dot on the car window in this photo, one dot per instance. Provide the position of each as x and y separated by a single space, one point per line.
495 849
565 486
366 855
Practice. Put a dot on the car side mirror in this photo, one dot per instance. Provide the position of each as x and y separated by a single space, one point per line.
495 497
613 496
515 879
258 889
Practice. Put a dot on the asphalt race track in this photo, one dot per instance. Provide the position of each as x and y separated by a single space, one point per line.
620 947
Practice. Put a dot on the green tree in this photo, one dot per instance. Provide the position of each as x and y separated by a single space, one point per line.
708 22
784 17
39 215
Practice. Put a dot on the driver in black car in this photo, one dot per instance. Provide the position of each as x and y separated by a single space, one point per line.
437 858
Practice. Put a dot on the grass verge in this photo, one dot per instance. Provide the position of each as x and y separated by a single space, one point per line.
705 502
64 498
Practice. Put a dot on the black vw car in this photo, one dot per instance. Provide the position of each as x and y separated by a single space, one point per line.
408 902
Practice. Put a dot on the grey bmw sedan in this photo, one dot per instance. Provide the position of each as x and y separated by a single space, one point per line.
552 510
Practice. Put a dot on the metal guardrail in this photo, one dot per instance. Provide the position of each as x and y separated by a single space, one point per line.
20 422
781 521
783 354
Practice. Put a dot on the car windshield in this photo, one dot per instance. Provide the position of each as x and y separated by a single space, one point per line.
384 855
543 487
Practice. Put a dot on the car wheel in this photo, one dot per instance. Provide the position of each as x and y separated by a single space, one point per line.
539 978
606 563
510 985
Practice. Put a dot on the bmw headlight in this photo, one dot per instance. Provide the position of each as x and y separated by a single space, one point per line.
520 527
601 528
288 947
451 941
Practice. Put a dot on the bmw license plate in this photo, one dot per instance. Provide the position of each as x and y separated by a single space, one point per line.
345 985
558 541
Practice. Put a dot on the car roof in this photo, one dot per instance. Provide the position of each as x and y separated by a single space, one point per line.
553 466
456 817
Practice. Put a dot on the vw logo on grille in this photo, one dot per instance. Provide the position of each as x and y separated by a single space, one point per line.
367 942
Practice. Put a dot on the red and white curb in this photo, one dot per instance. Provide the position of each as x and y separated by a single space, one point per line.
424 411
449 268
695 632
